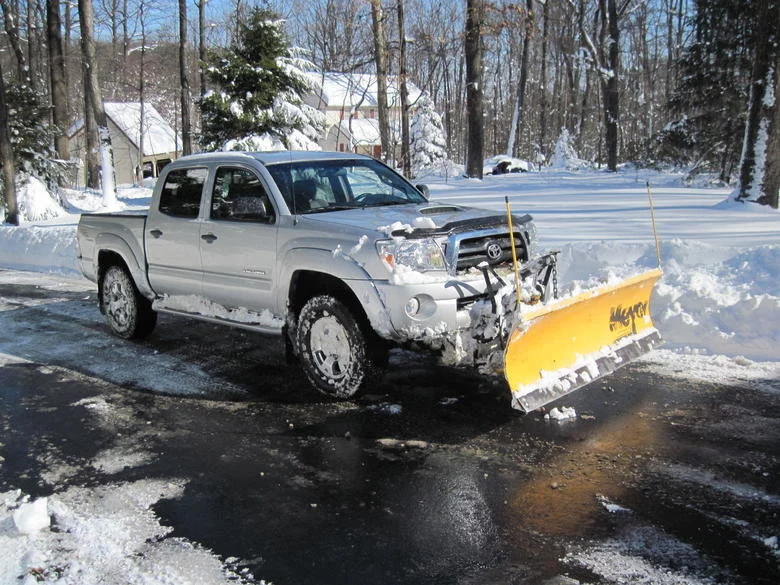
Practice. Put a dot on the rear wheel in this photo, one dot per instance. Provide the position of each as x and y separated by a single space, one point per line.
129 314
336 354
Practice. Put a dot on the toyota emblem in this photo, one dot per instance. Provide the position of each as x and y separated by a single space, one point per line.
493 251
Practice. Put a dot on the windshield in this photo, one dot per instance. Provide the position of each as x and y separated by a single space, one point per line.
329 185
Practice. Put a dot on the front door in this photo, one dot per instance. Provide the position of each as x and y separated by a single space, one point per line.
238 241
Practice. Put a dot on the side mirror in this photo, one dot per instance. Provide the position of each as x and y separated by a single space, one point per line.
422 188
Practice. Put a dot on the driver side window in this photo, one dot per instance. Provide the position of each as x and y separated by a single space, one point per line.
239 195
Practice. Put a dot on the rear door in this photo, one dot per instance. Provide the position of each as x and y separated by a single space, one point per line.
173 234
238 240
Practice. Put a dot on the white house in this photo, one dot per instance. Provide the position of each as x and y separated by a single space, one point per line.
349 101
161 143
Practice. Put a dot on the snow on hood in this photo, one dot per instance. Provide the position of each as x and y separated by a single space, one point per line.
387 219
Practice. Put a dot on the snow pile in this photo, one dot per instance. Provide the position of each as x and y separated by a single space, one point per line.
30 517
711 299
729 307
560 415
35 202
103 535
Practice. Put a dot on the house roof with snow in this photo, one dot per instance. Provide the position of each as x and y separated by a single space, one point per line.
159 137
362 130
350 90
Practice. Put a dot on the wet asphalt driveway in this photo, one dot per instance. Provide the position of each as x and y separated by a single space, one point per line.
430 478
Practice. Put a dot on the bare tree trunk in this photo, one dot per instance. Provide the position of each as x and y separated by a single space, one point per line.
7 156
202 53
31 45
380 58
543 82
406 163
11 20
59 89
772 176
759 128
67 8
92 93
142 96
91 146
517 115
474 92
186 126
610 39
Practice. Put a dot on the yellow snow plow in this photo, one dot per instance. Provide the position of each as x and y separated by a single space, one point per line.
557 347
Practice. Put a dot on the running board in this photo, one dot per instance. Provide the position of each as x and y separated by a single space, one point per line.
244 319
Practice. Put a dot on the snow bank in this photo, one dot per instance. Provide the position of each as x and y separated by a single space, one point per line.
711 299
39 249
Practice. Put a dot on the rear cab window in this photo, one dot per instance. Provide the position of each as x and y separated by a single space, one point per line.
182 191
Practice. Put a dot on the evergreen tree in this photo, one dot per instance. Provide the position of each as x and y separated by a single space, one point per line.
261 85
564 155
32 135
427 142
31 142
711 97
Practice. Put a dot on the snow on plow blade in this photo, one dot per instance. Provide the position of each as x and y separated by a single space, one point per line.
568 343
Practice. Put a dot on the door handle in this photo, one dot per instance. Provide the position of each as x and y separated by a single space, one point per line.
155 233
208 237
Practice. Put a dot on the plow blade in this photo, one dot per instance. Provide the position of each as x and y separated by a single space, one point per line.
568 343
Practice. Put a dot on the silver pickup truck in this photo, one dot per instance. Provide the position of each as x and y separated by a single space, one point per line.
334 251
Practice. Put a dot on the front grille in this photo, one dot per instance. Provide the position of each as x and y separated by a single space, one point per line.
472 251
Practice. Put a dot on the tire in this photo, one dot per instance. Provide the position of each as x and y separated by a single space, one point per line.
128 313
336 354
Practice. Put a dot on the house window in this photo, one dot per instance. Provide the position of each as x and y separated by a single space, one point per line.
341 147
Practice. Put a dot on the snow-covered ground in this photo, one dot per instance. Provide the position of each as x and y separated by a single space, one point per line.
721 259
717 307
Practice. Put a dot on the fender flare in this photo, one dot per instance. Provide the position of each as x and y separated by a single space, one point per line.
106 242
343 268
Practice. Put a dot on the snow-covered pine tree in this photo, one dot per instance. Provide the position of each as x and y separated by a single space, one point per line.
35 161
565 156
261 87
427 142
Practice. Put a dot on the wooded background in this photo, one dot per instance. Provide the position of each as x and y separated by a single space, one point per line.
684 82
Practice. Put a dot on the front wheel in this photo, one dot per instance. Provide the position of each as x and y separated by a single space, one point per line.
333 349
129 314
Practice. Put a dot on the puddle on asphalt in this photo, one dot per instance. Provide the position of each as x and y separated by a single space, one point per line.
562 500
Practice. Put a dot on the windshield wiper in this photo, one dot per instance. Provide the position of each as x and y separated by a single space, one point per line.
333 207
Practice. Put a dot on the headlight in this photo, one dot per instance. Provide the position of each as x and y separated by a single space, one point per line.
418 255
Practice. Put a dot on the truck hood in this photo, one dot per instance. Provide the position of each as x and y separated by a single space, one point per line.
412 220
